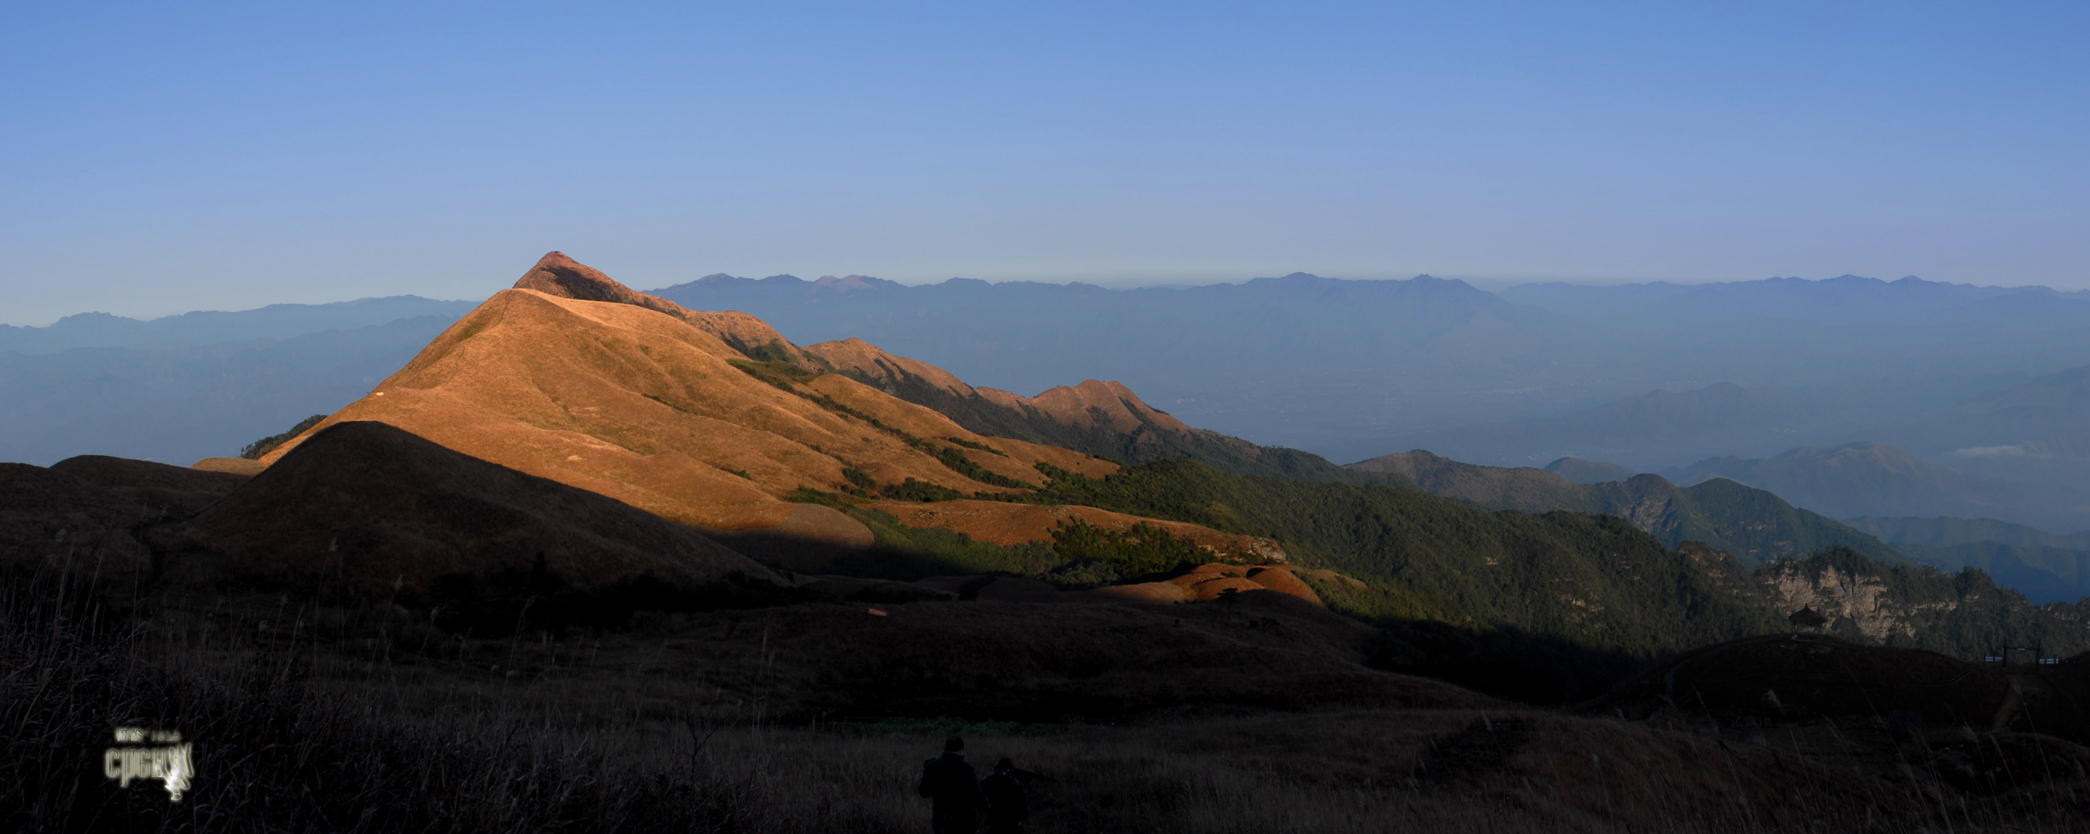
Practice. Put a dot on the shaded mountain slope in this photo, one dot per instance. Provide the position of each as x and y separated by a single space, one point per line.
1818 676
163 491
1755 525
62 524
368 509
1042 662
1592 580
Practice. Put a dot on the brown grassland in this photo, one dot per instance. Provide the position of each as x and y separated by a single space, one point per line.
367 718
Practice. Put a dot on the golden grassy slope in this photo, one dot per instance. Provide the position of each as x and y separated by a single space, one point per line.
1092 404
645 405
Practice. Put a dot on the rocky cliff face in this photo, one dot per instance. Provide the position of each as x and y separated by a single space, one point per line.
1859 601
1963 614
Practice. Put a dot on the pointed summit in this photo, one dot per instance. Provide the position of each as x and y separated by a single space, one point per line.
563 277
556 274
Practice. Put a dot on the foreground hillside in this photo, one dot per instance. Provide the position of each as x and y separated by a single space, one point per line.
1256 717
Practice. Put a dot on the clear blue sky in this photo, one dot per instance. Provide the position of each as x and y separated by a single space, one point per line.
160 157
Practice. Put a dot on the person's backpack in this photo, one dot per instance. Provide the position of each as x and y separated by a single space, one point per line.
928 788
1005 800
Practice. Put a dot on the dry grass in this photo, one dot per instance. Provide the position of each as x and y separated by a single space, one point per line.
359 720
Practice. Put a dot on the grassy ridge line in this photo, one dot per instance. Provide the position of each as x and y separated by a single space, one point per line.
1144 444
786 377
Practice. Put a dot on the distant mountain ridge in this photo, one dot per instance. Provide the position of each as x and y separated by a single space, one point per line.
1946 532
2044 566
1754 525
1861 479
1788 297
1348 369
1030 336
2006 446
178 405
178 388
275 321
1227 354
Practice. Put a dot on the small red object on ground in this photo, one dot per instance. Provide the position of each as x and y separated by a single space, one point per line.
877 612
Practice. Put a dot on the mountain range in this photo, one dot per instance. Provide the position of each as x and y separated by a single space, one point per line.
582 499
173 394
1350 369
2045 566
828 459
274 322
179 404
180 388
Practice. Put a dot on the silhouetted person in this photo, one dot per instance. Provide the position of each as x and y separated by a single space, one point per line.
950 782
1007 806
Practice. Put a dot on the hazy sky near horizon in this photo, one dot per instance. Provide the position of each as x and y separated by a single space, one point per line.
166 157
